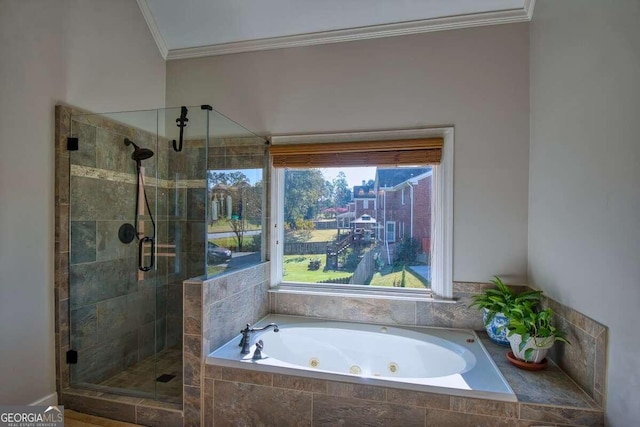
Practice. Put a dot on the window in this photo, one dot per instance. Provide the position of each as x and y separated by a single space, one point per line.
391 231
235 205
320 241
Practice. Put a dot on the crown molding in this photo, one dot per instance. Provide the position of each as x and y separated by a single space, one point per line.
153 27
353 34
529 5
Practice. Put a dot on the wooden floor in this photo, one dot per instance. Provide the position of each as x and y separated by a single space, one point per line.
77 419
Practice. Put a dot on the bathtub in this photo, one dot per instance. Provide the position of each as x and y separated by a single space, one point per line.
437 360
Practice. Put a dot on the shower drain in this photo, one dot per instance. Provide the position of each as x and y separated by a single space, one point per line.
314 362
355 369
393 368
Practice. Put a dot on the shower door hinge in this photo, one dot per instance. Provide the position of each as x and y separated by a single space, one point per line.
206 107
72 144
72 357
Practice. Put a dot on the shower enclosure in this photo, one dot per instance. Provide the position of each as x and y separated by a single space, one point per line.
140 215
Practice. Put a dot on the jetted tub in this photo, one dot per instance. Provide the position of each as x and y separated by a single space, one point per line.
450 361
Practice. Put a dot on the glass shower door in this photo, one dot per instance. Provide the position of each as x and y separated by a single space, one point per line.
138 203
113 206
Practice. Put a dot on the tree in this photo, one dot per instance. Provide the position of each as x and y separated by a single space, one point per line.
248 209
341 190
226 178
246 200
304 190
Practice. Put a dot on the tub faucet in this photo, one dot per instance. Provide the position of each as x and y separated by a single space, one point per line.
245 342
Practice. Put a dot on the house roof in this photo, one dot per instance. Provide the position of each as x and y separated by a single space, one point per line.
390 177
363 192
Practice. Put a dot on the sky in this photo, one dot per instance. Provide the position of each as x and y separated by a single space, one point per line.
355 176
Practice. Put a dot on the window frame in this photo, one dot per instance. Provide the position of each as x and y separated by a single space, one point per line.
441 242
387 233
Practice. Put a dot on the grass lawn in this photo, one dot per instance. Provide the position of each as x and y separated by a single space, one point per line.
311 236
390 273
228 242
224 225
296 269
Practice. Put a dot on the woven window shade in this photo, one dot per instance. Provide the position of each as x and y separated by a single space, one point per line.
366 153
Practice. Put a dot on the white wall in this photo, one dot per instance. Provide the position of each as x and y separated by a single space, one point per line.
584 205
476 79
90 53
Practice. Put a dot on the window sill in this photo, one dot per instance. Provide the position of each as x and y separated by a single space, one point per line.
356 291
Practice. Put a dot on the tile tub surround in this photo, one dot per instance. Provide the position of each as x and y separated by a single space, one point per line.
123 408
584 360
407 312
247 397
215 310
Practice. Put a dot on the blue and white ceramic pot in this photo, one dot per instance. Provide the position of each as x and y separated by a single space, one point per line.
497 335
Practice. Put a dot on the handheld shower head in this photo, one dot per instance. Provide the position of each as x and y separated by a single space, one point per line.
138 154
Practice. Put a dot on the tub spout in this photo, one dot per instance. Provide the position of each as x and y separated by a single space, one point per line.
245 342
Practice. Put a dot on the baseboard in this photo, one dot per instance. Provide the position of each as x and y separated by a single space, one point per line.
50 400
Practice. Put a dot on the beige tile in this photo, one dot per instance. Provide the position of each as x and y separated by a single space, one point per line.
323 306
207 408
62 274
247 376
440 418
158 417
212 371
335 411
551 414
417 398
191 406
577 359
62 178
238 404
192 310
484 407
358 391
600 368
299 383
376 310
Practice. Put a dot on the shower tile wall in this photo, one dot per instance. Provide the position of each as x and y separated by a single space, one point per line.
112 315
113 306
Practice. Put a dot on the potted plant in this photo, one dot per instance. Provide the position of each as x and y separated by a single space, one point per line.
496 304
530 332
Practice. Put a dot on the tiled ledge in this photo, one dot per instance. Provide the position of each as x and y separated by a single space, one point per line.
260 398
135 410
550 386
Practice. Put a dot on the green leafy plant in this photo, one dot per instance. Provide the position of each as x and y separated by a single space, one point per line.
533 324
501 299
408 251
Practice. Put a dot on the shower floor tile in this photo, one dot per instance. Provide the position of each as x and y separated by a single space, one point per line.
142 376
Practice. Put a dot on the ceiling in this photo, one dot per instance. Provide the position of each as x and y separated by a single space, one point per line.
194 28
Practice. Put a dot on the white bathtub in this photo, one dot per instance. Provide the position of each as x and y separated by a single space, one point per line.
437 360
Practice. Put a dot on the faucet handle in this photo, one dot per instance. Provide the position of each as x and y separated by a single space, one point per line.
257 354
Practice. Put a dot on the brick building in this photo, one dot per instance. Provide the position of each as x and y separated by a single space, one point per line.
403 204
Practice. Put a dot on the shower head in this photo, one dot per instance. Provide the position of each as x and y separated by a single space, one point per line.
138 154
